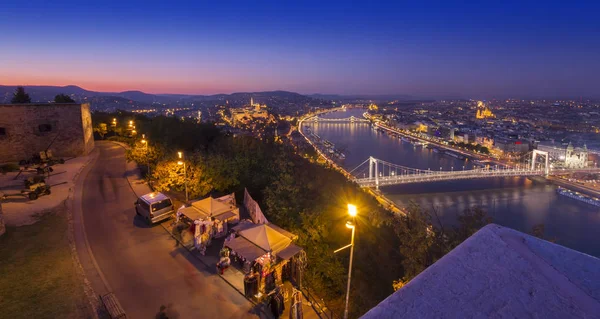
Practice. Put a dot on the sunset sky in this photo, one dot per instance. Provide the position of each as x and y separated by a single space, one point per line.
520 48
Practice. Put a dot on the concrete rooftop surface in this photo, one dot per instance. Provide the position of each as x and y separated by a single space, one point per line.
501 273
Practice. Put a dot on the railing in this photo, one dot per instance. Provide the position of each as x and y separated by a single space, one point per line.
439 176
317 303
347 119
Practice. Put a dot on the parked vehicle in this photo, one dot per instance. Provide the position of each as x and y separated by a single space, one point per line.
154 207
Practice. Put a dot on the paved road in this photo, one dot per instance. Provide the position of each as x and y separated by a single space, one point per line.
141 264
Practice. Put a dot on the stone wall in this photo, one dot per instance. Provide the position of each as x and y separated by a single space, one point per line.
27 129
2 227
88 129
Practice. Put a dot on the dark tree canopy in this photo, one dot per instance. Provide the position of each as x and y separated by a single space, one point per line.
20 97
63 98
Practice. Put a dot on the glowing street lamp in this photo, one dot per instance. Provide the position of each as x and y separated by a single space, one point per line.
146 152
182 162
352 211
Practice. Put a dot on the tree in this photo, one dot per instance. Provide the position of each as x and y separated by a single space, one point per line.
539 231
144 154
101 129
416 236
170 176
63 98
20 97
470 221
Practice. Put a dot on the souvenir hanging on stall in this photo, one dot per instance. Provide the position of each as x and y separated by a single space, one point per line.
202 237
296 305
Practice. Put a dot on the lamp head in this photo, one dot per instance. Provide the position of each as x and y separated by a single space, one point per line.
352 210
180 155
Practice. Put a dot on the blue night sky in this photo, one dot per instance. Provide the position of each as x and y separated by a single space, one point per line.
420 48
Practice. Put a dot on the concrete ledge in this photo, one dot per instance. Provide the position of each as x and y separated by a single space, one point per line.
501 273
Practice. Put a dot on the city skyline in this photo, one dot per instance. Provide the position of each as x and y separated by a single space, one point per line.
504 50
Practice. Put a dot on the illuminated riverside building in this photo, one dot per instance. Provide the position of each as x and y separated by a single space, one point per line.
570 157
576 158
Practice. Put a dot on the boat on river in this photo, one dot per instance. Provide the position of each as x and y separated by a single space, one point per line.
578 196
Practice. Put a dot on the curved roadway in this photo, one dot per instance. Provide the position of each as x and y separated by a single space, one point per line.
142 265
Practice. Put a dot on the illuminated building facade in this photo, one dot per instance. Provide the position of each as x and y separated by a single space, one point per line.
483 112
248 113
576 158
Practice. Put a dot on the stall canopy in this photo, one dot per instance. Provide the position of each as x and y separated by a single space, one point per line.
289 252
225 216
193 213
211 206
266 237
245 248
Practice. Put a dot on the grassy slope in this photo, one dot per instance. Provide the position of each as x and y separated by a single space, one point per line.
38 277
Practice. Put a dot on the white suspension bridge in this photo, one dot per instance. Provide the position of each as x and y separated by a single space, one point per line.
382 173
347 119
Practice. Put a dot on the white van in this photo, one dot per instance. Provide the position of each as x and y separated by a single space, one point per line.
154 207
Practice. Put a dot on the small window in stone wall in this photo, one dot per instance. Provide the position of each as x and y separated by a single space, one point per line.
44 128
2 131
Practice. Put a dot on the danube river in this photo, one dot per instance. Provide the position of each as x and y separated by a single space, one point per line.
515 202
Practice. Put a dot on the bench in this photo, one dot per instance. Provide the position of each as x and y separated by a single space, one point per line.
112 306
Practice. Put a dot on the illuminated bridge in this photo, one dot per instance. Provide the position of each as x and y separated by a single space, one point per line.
347 119
382 173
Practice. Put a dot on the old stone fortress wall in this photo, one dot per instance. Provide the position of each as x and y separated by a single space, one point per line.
27 129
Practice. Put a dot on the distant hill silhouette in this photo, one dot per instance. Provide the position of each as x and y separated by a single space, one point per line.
47 93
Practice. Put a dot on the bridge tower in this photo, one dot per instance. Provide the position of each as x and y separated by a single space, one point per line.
534 155
373 165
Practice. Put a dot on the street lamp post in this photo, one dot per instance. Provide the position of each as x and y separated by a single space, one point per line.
352 225
182 162
146 151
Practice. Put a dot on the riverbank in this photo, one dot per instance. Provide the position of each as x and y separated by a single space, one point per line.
573 186
516 202
469 155
384 201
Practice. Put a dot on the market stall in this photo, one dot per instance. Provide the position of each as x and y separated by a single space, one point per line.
266 255
209 218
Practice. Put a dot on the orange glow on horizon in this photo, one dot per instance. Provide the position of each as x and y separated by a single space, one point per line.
109 85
